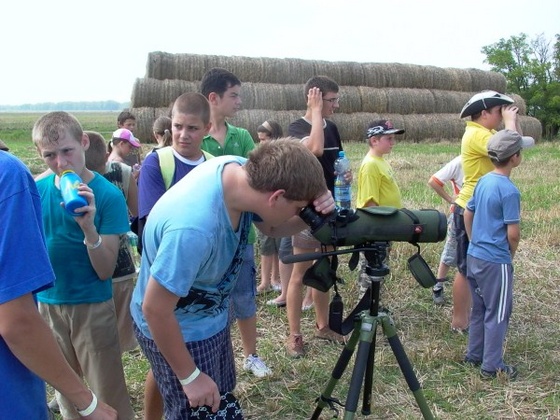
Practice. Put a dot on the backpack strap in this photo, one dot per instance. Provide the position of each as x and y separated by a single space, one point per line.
167 164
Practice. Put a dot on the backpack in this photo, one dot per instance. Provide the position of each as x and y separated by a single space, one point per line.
167 164
167 169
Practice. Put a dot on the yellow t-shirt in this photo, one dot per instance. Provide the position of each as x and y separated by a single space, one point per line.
474 156
376 182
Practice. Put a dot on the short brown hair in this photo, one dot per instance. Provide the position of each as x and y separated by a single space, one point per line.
324 83
192 103
52 127
286 164
96 154
125 115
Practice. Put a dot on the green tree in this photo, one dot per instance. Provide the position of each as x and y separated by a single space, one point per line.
532 70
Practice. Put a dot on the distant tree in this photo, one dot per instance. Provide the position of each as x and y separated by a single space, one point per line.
67 106
532 70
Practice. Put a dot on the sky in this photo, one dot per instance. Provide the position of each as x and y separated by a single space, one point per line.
68 50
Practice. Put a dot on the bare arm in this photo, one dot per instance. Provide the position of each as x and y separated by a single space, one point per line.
440 190
468 218
31 341
104 257
513 236
132 199
158 308
315 142
511 118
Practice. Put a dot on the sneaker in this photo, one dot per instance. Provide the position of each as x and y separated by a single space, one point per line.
274 302
471 362
437 296
277 287
294 345
326 333
53 406
460 331
509 371
257 366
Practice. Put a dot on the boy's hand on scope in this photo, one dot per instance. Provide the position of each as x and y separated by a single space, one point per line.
203 391
324 203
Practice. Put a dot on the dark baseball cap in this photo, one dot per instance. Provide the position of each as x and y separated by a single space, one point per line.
381 128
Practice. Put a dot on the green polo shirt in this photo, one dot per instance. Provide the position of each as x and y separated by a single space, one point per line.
238 142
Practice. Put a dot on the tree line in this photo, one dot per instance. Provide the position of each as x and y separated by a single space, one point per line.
532 70
67 106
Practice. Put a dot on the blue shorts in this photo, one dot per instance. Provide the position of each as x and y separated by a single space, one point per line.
285 247
243 298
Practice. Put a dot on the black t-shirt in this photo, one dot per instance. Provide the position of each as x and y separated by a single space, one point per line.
302 128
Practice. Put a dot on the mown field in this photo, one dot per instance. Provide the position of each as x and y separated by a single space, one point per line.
452 389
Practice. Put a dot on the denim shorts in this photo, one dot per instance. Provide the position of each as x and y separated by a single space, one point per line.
243 298
449 253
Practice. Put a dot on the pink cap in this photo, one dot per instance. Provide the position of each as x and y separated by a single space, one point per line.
126 135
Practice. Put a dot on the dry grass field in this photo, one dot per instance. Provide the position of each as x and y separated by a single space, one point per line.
452 390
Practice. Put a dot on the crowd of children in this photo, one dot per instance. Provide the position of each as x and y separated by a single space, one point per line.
197 275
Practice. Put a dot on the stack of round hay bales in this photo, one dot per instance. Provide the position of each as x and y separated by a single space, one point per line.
425 100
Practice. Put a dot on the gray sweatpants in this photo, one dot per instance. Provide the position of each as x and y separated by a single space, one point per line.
491 288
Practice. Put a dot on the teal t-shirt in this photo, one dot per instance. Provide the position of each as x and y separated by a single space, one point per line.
76 280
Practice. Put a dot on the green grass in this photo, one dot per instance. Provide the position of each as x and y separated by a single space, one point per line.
451 389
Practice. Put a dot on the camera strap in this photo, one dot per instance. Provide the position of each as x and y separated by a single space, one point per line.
418 227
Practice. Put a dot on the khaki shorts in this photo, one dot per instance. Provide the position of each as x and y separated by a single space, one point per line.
122 295
87 335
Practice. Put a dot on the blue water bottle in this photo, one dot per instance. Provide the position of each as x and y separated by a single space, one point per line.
69 183
342 188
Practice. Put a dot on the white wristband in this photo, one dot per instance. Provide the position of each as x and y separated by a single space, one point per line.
95 245
191 377
90 408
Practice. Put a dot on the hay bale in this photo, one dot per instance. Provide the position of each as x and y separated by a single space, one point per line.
296 71
145 118
149 92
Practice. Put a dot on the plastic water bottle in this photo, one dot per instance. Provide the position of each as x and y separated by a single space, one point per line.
69 183
342 188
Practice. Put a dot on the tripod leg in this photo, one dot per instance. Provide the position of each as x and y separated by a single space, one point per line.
406 368
325 398
367 332
368 380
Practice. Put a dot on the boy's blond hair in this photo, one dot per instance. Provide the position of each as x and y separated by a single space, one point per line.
52 127
96 154
286 164
192 103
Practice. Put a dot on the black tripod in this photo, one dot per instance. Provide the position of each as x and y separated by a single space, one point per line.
363 336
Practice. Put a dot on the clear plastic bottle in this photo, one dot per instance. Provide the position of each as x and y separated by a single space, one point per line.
342 188
69 183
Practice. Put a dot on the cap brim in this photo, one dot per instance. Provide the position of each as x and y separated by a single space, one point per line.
527 141
482 104
3 146
394 131
134 143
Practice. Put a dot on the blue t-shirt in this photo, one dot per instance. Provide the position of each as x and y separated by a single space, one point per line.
496 203
25 268
76 280
191 249
151 185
